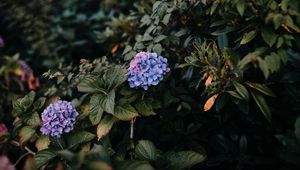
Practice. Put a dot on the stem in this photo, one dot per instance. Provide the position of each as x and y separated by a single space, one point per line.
131 137
25 154
59 144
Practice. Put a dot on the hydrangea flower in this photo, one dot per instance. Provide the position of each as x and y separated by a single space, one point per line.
57 118
3 129
146 69
5 164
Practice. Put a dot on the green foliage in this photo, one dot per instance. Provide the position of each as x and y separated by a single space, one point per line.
230 101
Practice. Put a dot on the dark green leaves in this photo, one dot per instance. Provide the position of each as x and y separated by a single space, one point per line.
107 102
44 156
241 90
145 150
144 107
184 159
78 137
269 36
261 88
125 112
23 104
262 104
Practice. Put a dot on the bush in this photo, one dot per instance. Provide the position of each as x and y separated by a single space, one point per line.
229 101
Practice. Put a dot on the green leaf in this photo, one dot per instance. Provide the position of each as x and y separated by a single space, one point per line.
44 156
240 6
33 119
251 57
261 88
114 77
89 85
263 67
38 104
297 129
157 48
159 38
107 102
134 165
79 137
95 110
105 125
235 94
26 133
262 104
166 19
145 150
125 112
269 36
241 89
184 159
144 107
247 37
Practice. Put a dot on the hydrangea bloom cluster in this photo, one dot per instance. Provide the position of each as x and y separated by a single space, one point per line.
57 118
3 129
146 69
5 164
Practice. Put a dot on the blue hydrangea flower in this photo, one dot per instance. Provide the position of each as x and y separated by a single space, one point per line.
146 69
57 118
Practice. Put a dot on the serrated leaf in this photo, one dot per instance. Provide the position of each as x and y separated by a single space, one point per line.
134 165
261 88
79 137
43 157
26 133
39 103
87 85
42 142
241 89
145 150
125 112
105 125
32 119
114 77
184 159
95 110
107 102
144 107
262 104
247 37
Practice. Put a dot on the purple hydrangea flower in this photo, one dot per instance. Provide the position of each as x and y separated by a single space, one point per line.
57 118
146 69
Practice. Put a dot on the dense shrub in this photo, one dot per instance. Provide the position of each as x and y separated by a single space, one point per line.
159 84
